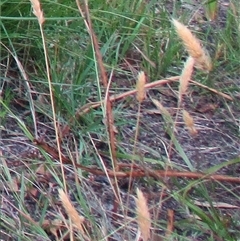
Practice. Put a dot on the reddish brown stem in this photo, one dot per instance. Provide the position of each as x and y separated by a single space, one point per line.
104 79
138 171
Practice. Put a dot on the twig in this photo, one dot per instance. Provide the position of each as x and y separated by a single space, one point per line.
86 108
138 170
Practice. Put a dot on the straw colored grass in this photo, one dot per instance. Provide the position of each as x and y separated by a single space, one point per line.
71 211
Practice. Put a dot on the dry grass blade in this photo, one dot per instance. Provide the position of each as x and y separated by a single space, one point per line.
71 211
193 46
185 77
216 205
145 57
165 113
141 81
143 216
189 122
37 11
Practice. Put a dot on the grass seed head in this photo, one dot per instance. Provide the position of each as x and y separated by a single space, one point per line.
189 122
164 112
141 81
143 216
186 76
193 46
37 11
71 211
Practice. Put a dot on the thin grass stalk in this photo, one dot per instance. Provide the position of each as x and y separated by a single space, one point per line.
39 14
109 115
105 170
140 95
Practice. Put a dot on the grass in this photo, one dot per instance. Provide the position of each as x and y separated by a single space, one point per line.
66 146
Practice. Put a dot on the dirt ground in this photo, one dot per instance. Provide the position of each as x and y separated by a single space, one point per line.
218 140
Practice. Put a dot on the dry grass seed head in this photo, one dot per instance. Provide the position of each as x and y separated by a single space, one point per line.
189 122
141 81
37 11
143 216
164 112
71 211
193 46
186 76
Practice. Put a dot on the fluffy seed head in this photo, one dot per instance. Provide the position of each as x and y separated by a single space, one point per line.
71 211
193 46
143 216
37 11
186 76
141 81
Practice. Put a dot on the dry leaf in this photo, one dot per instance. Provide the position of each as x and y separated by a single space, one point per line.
34 192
